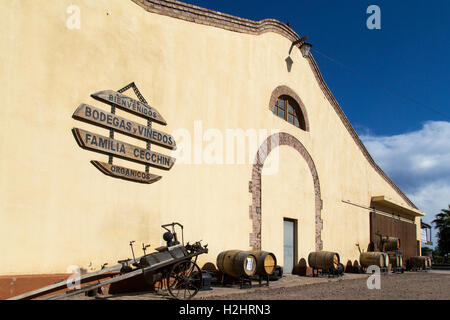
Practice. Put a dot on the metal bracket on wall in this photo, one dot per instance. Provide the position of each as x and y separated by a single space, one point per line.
384 213
141 98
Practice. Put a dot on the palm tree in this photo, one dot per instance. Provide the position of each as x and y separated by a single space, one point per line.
442 223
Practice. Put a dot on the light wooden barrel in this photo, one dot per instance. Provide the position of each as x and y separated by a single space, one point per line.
324 260
386 260
265 262
391 243
237 263
372 259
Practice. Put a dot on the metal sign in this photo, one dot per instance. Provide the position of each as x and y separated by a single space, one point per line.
115 148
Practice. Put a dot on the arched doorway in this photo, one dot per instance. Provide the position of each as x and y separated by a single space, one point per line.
272 142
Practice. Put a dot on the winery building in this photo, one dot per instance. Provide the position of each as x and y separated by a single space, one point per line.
244 144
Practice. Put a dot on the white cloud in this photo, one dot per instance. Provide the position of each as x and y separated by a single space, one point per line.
419 163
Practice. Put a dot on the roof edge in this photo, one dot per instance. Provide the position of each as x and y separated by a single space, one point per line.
352 131
192 13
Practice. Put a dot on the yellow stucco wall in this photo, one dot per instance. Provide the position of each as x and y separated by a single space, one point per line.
57 210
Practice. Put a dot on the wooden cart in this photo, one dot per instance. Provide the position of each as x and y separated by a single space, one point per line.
175 263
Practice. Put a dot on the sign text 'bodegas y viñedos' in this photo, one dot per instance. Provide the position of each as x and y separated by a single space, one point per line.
114 148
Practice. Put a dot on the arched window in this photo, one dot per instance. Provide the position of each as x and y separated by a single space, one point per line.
288 109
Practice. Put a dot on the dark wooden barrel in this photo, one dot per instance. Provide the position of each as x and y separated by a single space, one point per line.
265 262
372 259
237 263
356 267
209 266
418 262
324 260
391 243
300 268
396 261
349 267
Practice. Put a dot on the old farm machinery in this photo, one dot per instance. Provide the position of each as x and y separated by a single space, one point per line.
173 266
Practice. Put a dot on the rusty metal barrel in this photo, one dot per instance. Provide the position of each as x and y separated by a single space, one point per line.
372 259
324 260
265 262
237 263
391 243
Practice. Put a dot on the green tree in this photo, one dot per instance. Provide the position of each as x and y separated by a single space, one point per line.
442 223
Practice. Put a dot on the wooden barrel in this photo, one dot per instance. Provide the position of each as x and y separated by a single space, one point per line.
265 262
396 261
300 268
209 266
386 260
237 263
393 260
391 243
356 267
349 267
372 259
324 260
418 262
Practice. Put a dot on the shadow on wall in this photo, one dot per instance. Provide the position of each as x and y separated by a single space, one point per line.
289 63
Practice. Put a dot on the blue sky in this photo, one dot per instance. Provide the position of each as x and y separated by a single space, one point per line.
394 86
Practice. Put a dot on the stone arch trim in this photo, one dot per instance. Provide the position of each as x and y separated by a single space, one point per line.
285 90
272 142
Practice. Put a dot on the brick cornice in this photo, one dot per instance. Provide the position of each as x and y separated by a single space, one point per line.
192 13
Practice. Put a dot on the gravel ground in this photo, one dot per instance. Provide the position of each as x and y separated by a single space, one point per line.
434 285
